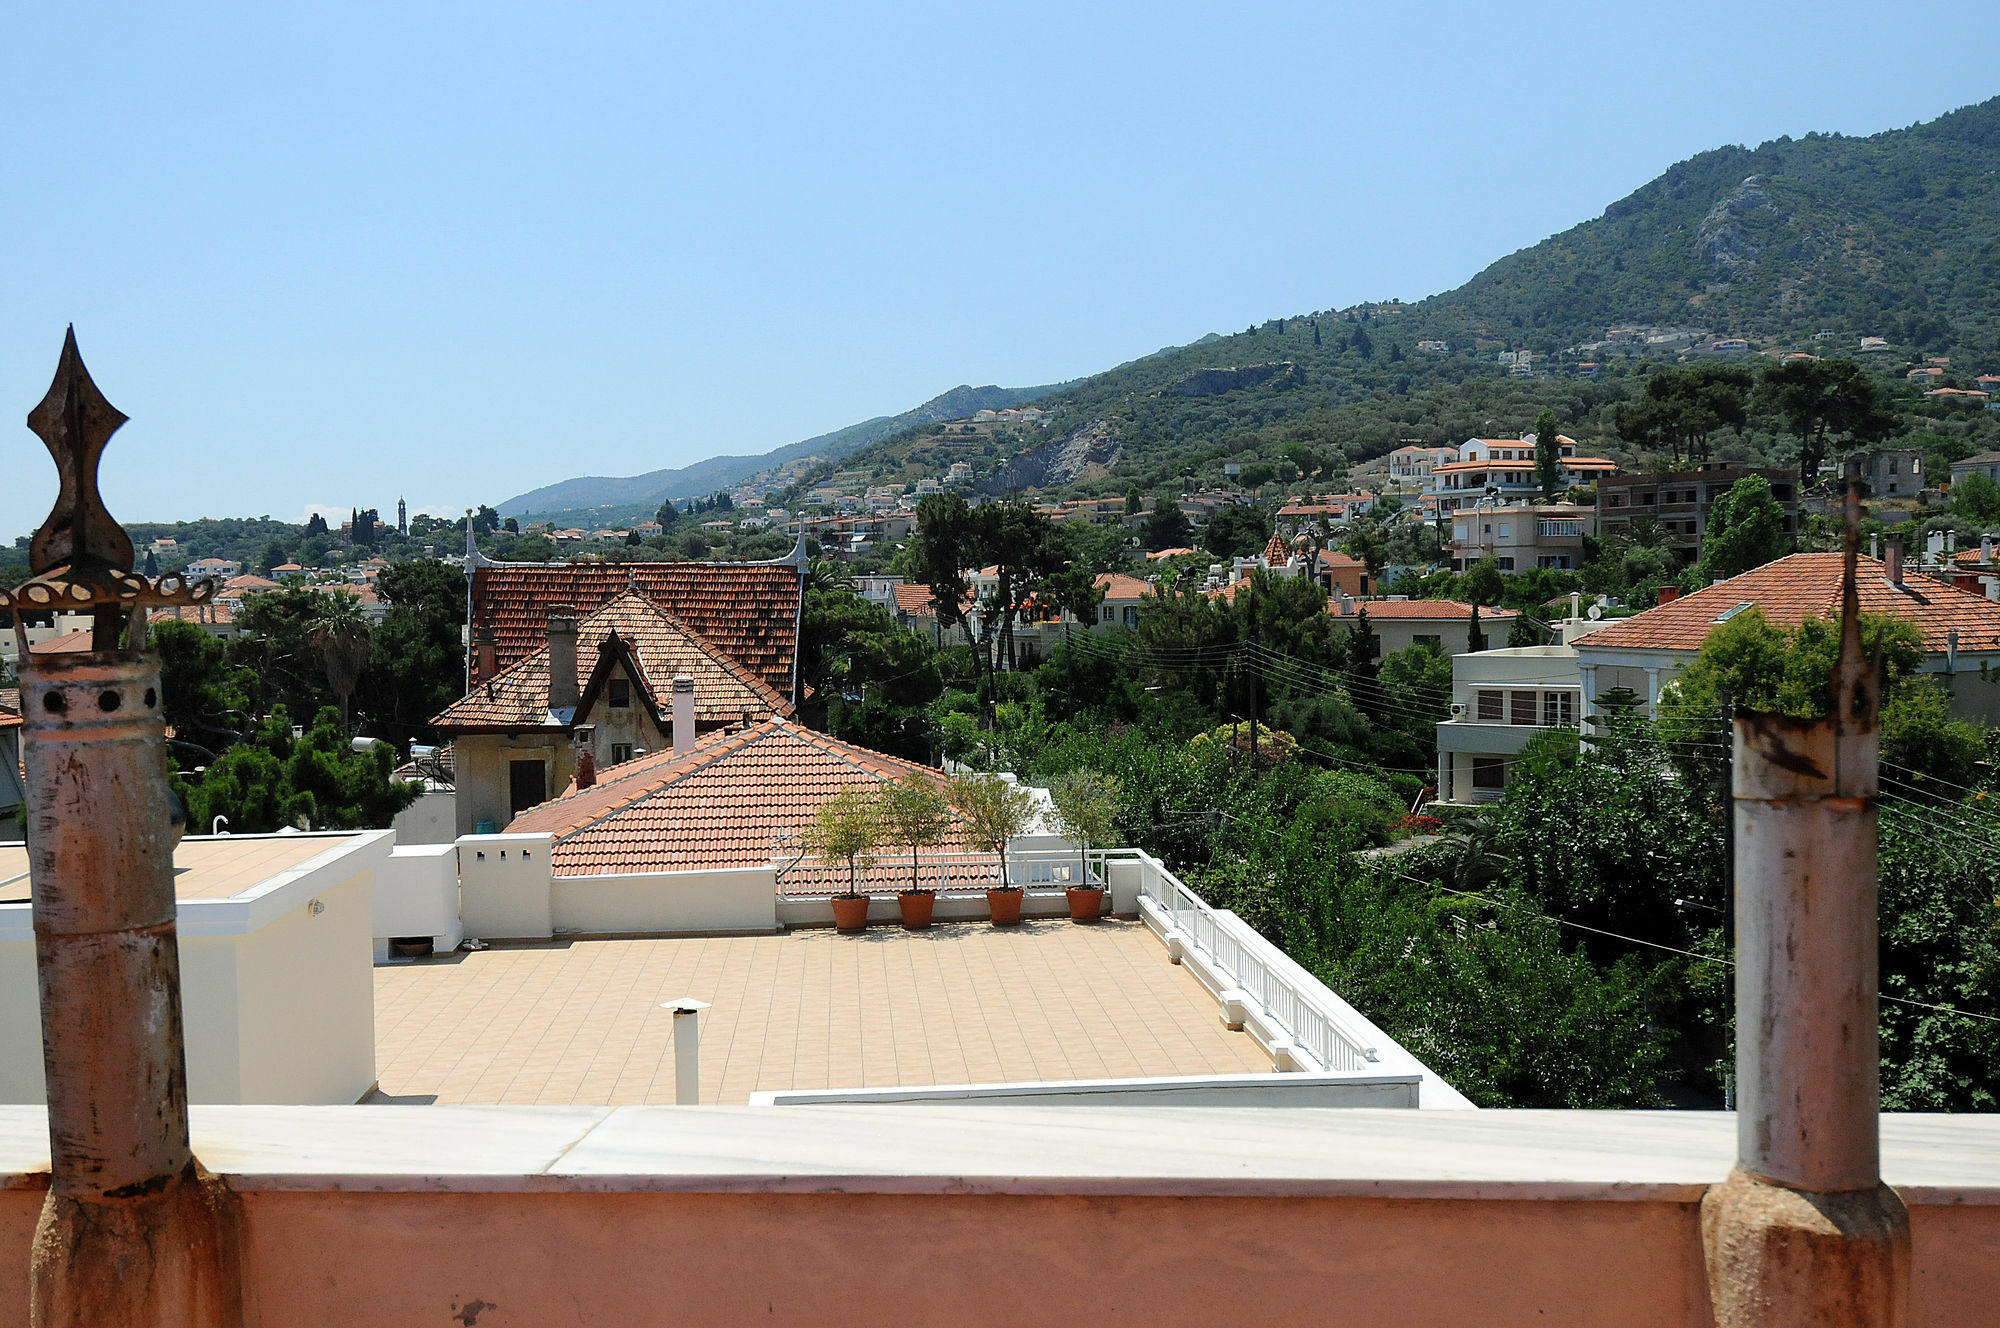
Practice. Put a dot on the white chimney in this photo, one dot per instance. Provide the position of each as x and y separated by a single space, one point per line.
683 713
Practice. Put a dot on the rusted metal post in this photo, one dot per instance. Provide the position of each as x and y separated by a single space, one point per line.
131 1232
1804 1232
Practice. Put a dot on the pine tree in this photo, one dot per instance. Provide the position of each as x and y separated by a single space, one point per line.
1315 331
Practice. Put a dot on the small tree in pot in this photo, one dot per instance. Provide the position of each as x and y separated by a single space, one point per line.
1086 810
914 811
845 826
994 811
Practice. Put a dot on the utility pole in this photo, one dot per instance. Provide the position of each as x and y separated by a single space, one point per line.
132 1232
1804 1232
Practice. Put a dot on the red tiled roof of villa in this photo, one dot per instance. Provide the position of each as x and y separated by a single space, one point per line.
749 610
729 802
662 646
1807 585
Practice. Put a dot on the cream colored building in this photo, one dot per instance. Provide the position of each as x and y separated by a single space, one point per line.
277 986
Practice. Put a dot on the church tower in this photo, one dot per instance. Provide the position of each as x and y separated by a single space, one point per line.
402 517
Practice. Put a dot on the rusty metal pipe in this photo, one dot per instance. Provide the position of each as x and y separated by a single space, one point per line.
1806 1050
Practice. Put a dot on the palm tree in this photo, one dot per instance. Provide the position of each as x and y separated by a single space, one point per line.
341 635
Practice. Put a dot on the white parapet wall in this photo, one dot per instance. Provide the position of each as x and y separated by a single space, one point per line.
1197 1090
416 895
431 819
277 987
739 900
504 887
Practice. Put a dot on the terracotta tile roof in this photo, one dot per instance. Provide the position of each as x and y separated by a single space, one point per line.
10 708
728 803
1573 462
1117 585
214 613
1807 585
73 643
248 584
1419 610
913 599
661 645
1168 553
750 610
1276 553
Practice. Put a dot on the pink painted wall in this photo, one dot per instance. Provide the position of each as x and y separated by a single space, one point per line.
392 1259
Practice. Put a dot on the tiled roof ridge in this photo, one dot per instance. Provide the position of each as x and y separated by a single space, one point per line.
727 662
689 763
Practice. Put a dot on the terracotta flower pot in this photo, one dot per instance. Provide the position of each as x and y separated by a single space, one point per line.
916 906
1005 906
850 912
1086 902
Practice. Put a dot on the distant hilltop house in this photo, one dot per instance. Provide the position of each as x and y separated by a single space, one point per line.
1927 374
1874 343
1009 415
958 473
1434 347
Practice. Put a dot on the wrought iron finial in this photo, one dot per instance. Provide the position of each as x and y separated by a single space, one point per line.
75 421
81 558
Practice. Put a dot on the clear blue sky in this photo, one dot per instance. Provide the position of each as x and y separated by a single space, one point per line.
455 252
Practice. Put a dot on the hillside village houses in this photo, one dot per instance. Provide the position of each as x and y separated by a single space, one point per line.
1501 698
1680 502
1504 468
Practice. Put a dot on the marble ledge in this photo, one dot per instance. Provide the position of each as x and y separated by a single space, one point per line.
1014 1149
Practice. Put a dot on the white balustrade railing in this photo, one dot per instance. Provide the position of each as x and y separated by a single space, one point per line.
1246 962
1032 869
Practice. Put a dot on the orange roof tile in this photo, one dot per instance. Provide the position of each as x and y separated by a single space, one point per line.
1168 553
1275 553
1421 610
247 583
1117 585
10 708
214 613
660 644
1807 585
749 610
731 802
913 599
73 643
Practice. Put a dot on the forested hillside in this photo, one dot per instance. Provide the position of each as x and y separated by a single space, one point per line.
1808 244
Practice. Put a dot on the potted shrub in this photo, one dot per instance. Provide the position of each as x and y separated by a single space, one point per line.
913 811
844 826
1086 811
994 810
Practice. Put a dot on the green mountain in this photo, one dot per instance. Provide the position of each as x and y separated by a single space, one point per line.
705 477
1807 244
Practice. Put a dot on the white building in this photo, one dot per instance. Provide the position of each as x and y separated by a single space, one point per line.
1500 699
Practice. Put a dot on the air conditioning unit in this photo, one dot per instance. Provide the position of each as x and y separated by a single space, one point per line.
1457 709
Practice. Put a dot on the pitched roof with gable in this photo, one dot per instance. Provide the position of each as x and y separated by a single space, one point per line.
1117 585
913 599
654 645
1807 585
749 610
72 643
728 803
247 583
1419 610
1276 554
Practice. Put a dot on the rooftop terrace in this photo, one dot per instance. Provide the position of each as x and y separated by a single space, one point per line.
579 1021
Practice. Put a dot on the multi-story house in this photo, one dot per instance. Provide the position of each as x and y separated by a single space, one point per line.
1680 501
1499 700
1521 535
1489 468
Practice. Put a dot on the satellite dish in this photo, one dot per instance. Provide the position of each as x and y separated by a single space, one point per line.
1595 612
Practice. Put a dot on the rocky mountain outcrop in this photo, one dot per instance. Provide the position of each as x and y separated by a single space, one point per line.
1058 461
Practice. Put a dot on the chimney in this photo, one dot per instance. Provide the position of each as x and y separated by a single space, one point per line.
562 660
1892 562
583 747
1668 594
683 713
485 651
1985 550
